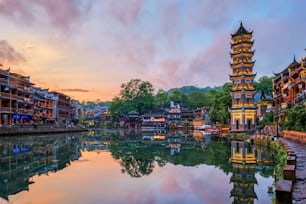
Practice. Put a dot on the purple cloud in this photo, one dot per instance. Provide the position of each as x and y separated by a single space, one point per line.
62 14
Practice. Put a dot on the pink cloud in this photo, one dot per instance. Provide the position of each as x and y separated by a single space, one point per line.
125 13
61 14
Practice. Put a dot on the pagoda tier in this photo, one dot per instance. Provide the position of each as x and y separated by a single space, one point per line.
243 53
242 65
243 44
243 109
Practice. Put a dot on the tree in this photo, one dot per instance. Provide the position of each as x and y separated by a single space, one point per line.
221 102
136 95
267 120
198 99
179 96
295 118
264 84
162 98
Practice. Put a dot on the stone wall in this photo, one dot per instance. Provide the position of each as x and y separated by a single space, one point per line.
295 135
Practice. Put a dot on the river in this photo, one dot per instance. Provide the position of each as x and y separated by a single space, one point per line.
130 167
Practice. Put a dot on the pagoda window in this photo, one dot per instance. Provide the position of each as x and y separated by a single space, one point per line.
249 124
237 124
248 101
249 148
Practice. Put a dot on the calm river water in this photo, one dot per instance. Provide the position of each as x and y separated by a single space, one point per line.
130 167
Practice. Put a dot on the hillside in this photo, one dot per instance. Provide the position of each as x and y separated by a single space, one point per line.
190 89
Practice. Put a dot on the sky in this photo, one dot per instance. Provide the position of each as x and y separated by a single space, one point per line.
88 48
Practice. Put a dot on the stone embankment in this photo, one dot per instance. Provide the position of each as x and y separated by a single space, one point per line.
40 129
295 170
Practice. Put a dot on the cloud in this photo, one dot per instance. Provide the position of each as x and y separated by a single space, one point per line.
75 90
210 65
125 13
62 14
9 55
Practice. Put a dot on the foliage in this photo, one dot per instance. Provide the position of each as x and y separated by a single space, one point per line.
295 118
220 103
136 95
198 99
264 84
190 89
267 120
162 98
179 96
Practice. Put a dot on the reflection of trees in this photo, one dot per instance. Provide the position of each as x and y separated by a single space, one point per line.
136 158
217 154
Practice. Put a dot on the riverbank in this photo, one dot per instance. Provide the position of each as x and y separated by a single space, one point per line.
38 129
299 189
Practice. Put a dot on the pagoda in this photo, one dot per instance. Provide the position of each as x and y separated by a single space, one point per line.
243 110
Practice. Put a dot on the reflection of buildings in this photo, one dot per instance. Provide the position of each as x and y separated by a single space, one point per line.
151 122
22 158
243 178
246 159
201 139
243 110
242 152
175 145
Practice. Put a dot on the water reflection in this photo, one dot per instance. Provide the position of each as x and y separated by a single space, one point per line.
139 154
246 159
23 157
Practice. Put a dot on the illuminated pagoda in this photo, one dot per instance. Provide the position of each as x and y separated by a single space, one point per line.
243 110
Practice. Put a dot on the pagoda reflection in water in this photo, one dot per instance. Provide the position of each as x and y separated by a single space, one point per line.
24 157
247 160
243 177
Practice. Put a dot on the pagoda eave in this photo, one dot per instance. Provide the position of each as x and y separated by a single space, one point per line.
242 75
249 43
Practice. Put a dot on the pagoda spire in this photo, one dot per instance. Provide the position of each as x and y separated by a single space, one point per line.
241 30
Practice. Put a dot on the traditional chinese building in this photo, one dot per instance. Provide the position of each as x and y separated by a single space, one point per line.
16 98
290 85
243 110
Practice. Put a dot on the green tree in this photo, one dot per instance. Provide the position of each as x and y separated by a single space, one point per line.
136 95
162 98
264 84
295 118
221 102
197 99
179 96
267 120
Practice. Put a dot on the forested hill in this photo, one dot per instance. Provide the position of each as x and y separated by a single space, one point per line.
190 89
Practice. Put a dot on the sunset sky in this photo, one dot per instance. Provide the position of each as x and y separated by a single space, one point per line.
87 48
